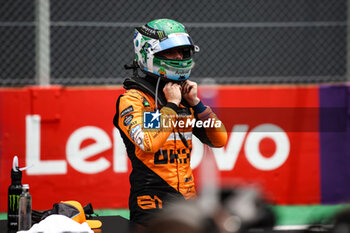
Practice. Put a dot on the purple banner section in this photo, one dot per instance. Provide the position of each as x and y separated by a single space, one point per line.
335 146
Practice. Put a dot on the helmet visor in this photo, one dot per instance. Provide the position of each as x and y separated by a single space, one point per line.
178 53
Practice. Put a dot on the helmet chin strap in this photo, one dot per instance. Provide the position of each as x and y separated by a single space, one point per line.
157 86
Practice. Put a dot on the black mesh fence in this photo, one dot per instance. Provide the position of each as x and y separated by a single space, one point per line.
241 41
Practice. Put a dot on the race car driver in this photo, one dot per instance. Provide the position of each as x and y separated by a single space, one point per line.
157 116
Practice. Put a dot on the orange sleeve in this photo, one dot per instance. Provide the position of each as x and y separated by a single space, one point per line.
130 121
214 136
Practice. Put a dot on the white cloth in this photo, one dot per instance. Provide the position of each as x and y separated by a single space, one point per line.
58 223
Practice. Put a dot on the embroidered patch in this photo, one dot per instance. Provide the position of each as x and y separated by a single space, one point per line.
126 111
128 119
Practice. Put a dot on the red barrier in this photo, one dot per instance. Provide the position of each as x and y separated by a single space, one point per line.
276 142
78 154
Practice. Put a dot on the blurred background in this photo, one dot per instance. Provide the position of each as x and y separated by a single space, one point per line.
87 42
62 67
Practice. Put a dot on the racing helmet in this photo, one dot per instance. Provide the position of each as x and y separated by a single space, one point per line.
159 35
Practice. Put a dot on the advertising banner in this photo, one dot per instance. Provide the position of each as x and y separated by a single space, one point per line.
67 134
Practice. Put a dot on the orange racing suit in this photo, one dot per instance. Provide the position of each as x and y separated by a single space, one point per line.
160 158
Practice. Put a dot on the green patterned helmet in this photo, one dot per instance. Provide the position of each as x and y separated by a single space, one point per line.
158 36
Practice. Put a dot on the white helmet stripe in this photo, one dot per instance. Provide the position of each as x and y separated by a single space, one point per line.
150 58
